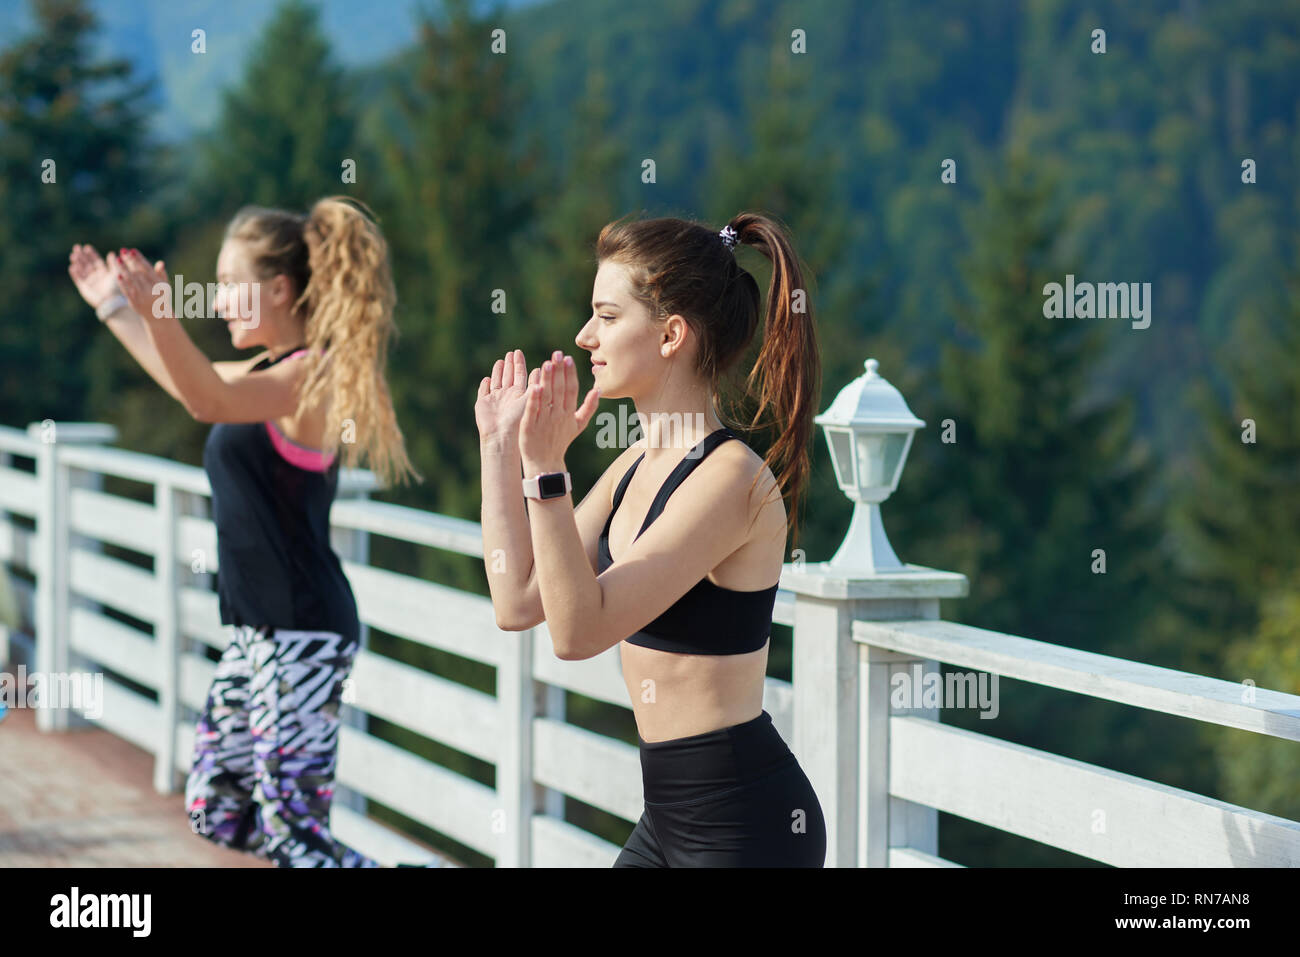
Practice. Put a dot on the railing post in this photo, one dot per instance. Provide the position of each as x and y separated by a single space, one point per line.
841 702
514 771
52 548
190 505
167 644
885 821
8 654
77 661
353 544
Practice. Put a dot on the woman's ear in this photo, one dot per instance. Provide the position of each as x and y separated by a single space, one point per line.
675 329
282 291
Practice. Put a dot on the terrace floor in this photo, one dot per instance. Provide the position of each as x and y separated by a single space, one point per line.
85 798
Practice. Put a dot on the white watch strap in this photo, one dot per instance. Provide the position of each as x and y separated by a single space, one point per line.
532 486
110 306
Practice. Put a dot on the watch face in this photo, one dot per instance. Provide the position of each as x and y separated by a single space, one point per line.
551 485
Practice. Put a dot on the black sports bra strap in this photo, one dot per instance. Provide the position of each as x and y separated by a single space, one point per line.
618 499
267 362
623 483
683 469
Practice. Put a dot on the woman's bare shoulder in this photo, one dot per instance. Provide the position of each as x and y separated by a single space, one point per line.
236 368
747 473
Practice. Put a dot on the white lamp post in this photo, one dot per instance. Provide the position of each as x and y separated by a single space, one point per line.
869 430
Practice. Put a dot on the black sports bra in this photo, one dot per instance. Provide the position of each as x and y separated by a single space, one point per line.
708 619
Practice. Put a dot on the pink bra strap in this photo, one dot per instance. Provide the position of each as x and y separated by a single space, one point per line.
313 460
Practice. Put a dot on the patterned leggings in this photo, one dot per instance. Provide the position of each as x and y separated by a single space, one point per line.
262 775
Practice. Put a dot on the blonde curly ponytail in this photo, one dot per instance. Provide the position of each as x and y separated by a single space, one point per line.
349 304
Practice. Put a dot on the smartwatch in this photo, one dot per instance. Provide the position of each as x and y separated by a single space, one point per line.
547 485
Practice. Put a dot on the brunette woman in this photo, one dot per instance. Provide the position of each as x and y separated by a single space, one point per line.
673 557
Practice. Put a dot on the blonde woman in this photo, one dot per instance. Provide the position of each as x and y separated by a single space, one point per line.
261 778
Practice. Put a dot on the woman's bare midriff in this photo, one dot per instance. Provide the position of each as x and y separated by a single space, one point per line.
675 695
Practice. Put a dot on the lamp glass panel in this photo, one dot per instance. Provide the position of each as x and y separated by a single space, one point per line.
878 456
841 456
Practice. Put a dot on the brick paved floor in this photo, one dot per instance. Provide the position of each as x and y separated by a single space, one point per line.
85 798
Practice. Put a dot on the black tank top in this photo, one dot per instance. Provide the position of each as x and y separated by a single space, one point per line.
277 566
708 619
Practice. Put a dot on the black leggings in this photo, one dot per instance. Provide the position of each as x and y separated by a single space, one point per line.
734 797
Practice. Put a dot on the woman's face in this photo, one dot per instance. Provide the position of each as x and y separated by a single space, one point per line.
623 340
254 310
239 300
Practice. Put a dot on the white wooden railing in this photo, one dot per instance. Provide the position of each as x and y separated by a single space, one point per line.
882 772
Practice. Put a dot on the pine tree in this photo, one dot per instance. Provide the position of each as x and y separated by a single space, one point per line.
461 196
72 168
1240 513
1049 470
287 128
1041 476
1260 771
1241 521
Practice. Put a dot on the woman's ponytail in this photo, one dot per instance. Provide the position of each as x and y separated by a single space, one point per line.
349 304
787 373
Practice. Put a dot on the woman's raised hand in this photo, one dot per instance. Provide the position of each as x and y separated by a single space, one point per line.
145 288
552 417
501 398
92 276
